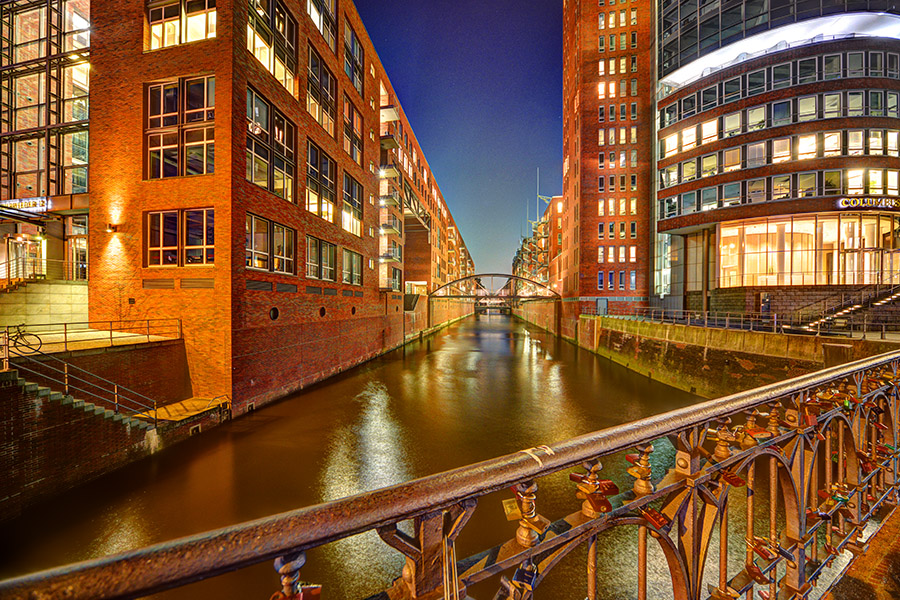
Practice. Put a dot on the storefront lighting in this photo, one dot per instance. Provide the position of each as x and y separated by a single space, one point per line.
110 228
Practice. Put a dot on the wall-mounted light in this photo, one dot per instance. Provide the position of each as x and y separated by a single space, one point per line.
110 228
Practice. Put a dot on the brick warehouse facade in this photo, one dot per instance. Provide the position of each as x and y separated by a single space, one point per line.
205 116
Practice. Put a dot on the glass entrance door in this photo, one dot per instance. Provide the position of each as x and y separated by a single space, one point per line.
77 258
25 258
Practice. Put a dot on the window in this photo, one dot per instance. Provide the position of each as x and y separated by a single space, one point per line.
709 98
322 14
876 64
180 135
781 113
806 185
731 160
621 280
781 76
832 105
709 165
806 109
855 65
833 184
876 104
282 249
271 140
855 182
876 142
855 142
162 239
710 131
876 181
352 271
632 280
270 246
353 202
807 70
781 187
756 190
781 150
689 202
632 254
855 104
198 17
352 131
272 39
321 257
321 171
806 146
600 273
688 137
602 21
633 230
732 89
601 229
731 124
731 194
634 109
353 58
831 143
621 254
709 198
756 82
756 155
832 66
601 40
634 16
670 145
612 280
320 91
756 118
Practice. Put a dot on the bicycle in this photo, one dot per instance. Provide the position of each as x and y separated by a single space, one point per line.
22 339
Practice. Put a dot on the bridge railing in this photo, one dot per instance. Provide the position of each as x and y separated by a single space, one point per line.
765 489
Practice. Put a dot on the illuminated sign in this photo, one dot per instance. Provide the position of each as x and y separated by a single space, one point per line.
32 205
883 203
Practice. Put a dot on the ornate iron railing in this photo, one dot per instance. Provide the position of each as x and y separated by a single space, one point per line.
799 473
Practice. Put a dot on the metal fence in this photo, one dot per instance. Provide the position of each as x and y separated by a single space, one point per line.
820 448
41 269
60 337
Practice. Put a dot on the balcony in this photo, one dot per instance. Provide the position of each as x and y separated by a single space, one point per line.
388 171
392 226
389 141
389 113
390 257
392 199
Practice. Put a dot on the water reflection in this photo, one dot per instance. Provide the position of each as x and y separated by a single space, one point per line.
485 387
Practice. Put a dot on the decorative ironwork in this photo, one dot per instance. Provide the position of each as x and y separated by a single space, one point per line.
802 470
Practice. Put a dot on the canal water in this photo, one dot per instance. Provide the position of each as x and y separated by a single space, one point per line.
485 387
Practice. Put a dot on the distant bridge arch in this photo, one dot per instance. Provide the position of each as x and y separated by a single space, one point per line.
514 288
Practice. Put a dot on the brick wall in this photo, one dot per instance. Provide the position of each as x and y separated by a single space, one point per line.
158 370
47 447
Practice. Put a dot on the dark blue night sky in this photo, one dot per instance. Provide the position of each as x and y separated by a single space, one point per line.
481 84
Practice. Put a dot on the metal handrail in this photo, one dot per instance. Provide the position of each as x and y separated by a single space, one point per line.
49 269
117 388
186 560
138 328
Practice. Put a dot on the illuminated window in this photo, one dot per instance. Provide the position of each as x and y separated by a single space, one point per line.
633 209
621 254
162 239
622 213
271 141
831 143
272 39
320 183
781 150
322 14
892 182
198 17
601 90
876 181
282 249
855 142
709 165
892 146
612 207
689 170
258 238
602 21
876 142
731 124
855 182
806 146
731 160
709 131
632 255
320 92
601 206
688 137
611 257
351 218
601 68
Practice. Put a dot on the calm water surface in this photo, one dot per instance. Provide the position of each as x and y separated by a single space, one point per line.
485 387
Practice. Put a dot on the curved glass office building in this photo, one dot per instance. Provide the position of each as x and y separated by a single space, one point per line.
778 151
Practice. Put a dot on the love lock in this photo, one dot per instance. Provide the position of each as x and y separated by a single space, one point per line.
525 577
593 490
641 470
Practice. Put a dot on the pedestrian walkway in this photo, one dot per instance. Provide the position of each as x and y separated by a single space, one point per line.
876 574
179 411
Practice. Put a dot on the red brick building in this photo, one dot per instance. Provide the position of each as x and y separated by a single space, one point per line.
608 117
252 173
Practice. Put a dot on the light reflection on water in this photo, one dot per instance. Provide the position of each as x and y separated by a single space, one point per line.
480 389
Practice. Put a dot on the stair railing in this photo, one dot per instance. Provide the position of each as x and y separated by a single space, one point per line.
72 377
